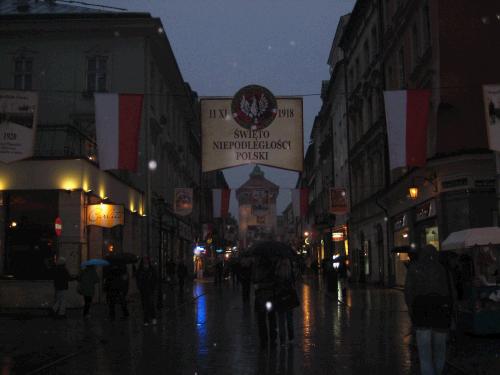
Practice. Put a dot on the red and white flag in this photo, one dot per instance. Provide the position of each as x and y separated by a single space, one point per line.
407 115
220 198
117 121
300 201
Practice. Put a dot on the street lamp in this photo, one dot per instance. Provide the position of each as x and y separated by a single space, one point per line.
413 189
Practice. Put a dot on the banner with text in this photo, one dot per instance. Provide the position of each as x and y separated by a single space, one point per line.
226 143
338 201
18 113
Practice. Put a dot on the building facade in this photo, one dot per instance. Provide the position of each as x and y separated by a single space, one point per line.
65 53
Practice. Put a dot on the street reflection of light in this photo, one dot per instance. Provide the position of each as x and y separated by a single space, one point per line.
201 321
306 314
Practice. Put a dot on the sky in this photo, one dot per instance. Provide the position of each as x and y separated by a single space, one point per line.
224 45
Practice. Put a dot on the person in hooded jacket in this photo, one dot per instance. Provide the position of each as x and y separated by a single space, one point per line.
61 279
429 298
86 287
147 282
116 288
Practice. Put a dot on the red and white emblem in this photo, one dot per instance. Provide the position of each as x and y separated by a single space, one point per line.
254 107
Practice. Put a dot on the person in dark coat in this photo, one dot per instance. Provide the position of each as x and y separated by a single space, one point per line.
181 276
147 283
285 283
61 279
264 279
86 287
429 299
116 288
245 277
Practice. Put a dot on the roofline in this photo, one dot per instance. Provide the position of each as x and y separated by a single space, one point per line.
100 15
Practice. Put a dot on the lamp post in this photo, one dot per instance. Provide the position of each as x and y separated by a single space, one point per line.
160 204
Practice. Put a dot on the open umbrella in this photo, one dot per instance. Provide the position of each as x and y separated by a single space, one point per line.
472 237
122 258
95 262
271 249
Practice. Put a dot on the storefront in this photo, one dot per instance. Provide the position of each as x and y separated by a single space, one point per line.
401 240
426 226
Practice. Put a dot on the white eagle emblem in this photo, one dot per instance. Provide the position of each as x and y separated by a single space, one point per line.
255 108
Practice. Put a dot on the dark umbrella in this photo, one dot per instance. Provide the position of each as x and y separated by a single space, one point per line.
122 258
271 249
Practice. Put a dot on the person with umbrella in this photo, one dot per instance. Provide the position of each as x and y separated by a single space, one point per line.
61 279
86 287
147 282
116 288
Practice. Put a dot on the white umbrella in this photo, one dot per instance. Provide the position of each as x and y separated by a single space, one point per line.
472 237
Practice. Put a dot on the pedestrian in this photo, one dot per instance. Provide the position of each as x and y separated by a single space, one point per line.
86 287
429 299
170 271
116 288
264 279
181 277
147 282
61 279
219 271
286 298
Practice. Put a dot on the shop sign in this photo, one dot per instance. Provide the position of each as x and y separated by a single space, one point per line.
338 236
426 210
183 201
105 215
401 222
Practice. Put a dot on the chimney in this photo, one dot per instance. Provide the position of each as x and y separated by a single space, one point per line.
22 5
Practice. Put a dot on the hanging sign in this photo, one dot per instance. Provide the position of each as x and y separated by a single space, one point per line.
105 215
18 110
253 127
183 201
491 95
338 201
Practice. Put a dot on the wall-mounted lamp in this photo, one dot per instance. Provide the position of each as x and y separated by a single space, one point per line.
413 189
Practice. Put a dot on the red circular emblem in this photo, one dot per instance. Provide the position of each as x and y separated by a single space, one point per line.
254 107
58 226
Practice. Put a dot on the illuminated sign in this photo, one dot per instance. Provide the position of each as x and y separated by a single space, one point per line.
105 215
338 236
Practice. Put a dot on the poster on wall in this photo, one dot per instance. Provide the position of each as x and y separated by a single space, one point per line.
18 117
253 127
183 201
491 96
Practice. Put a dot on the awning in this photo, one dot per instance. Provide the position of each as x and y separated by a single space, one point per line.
472 237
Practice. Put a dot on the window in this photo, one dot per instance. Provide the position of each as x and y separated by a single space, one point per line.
23 73
97 73
401 64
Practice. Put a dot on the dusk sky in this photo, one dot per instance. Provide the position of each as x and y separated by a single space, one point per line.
223 45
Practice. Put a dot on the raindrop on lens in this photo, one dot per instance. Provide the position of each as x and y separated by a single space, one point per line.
152 165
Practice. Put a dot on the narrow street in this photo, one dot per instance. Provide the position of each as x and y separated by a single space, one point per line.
213 332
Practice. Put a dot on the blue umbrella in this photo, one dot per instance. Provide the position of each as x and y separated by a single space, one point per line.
95 262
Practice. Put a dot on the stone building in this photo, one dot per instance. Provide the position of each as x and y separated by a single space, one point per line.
257 209
65 53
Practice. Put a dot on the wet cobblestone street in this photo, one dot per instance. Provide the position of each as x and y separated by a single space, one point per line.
213 332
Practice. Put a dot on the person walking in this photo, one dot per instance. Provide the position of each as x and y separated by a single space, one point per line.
147 283
429 299
181 276
219 271
86 287
245 277
285 299
264 279
61 279
116 288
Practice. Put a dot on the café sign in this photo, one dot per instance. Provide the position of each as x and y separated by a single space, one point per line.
105 215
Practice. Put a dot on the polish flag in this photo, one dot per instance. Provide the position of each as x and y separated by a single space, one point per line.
117 121
300 201
407 115
220 198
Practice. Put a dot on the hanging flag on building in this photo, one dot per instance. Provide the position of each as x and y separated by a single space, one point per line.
117 121
491 95
407 117
220 198
18 118
338 201
300 201
183 201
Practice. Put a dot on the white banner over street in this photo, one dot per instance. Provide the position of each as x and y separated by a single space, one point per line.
491 94
226 143
18 113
